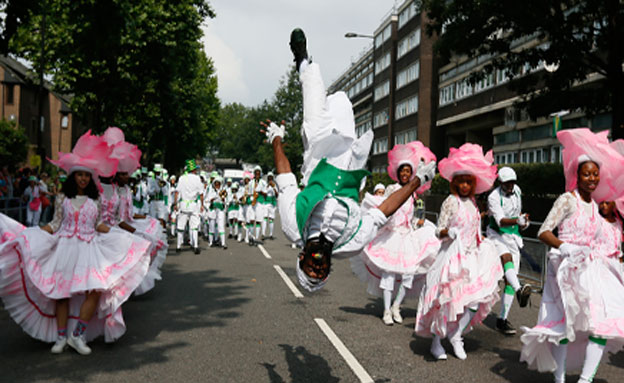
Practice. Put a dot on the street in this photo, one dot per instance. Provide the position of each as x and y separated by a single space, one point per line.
228 316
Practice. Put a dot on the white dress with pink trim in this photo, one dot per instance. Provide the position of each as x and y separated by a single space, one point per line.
583 293
37 268
148 228
398 248
9 229
464 274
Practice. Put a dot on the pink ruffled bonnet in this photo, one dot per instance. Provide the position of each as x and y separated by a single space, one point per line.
91 153
128 155
469 159
409 154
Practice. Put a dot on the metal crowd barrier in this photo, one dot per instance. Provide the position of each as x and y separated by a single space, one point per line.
14 208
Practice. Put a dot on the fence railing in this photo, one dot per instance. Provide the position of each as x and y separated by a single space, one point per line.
14 208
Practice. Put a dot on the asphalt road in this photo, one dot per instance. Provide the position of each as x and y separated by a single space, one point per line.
227 316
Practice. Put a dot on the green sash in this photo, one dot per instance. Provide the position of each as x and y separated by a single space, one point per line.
218 205
513 229
327 181
271 200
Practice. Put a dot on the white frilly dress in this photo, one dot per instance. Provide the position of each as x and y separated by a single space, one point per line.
37 268
464 274
583 293
398 249
149 228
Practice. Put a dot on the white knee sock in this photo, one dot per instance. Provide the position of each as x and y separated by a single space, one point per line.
463 323
271 224
511 275
593 355
257 231
560 352
180 239
387 298
222 239
399 297
506 302
194 238
264 227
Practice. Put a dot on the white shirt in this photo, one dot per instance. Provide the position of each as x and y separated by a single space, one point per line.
189 187
501 205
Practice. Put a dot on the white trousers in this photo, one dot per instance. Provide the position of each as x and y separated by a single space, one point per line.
33 217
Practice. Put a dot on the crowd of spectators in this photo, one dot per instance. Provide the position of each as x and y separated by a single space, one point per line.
27 196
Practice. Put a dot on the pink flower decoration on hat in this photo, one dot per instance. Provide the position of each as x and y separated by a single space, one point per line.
469 159
91 153
409 154
582 144
618 146
128 155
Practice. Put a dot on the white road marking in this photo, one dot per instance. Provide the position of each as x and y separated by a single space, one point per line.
264 252
357 368
288 282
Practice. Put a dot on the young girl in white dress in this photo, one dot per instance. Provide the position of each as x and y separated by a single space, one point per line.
582 308
400 250
75 271
462 284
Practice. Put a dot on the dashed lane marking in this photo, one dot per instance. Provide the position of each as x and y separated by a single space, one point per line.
288 282
264 252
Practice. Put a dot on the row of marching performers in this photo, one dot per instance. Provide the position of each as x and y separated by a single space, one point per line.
65 282
454 270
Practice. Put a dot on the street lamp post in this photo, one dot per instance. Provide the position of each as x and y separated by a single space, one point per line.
351 35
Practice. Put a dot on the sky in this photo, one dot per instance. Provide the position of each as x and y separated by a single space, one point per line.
248 40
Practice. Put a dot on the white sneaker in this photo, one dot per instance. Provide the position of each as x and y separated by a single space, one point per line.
60 345
458 349
396 314
437 350
387 318
78 344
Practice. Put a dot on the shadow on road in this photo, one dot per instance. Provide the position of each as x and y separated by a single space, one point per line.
302 367
181 301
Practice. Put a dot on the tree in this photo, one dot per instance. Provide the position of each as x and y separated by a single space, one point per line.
137 64
578 38
13 144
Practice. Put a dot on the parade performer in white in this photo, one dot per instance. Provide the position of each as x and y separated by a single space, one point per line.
189 203
270 204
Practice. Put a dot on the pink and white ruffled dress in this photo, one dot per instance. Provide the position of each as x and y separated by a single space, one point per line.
464 274
37 268
148 228
399 250
583 293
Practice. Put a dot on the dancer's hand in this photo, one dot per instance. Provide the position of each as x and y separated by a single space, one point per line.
569 249
452 233
523 221
272 130
425 172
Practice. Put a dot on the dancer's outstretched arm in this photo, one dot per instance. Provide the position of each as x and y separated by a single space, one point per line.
275 134
424 173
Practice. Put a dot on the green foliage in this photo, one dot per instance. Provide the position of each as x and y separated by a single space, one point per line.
582 36
377 178
135 64
13 143
439 185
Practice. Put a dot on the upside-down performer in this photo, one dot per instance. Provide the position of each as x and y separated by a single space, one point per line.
325 217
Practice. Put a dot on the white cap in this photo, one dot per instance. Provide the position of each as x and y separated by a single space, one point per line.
270 174
379 187
257 168
506 174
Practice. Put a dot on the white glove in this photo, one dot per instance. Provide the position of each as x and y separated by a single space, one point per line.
426 172
452 233
273 131
522 220
569 249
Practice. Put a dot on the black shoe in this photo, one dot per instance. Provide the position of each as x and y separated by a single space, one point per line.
505 327
178 251
224 247
271 238
229 236
196 250
523 295
298 46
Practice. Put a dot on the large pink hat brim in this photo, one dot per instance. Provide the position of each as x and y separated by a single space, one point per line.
596 146
91 152
411 154
469 159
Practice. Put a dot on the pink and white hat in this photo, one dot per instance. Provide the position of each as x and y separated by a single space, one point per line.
409 154
580 145
618 146
128 155
469 159
92 154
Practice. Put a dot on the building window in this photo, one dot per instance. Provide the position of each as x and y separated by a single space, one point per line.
534 156
408 75
381 118
405 137
10 91
363 123
485 83
406 107
463 89
555 154
382 90
382 63
507 138
408 43
383 36
407 14
447 94
537 132
64 121
380 145
501 76
379 169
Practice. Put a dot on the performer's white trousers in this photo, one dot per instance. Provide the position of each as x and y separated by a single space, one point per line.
193 220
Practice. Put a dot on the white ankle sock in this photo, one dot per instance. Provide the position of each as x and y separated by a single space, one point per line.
387 298
271 228
559 353
399 297
506 303
593 355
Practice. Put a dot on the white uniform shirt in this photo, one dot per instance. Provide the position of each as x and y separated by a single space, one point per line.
189 189
501 205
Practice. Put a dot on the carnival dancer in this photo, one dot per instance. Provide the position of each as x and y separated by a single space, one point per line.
611 238
400 250
140 197
506 220
258 202
189 204
218 198
379 190
326 217
157 189
233 212
248 210
32 197
116 206
462 284
75 271
270 202
172 212
582 309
